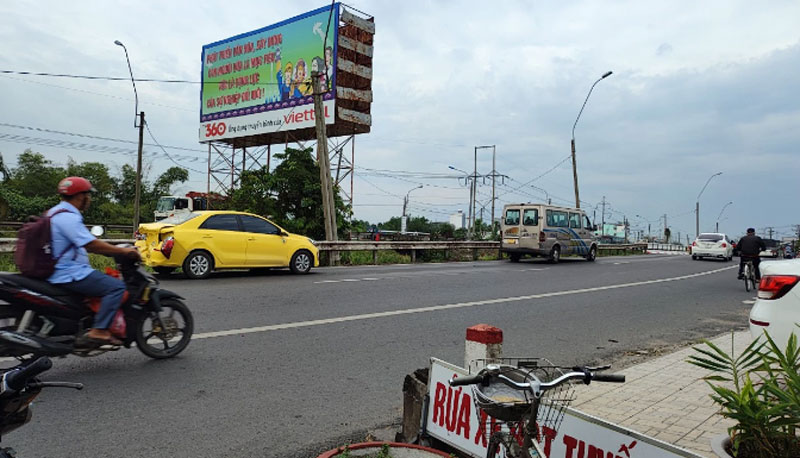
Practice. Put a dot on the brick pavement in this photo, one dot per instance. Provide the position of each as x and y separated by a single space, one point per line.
664 398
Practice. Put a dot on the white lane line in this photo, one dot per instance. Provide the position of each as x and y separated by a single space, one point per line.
436 308
623 262
749 302
531 270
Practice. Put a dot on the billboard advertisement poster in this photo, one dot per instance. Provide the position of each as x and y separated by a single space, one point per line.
260 82
452 418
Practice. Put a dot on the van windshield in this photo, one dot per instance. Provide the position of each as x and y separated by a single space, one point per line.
512 217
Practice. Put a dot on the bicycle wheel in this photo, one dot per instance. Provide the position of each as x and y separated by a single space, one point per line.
747 277
495 442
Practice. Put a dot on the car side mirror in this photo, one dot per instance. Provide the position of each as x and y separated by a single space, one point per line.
594 227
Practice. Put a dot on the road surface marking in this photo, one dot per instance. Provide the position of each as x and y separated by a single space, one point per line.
749 302
436 308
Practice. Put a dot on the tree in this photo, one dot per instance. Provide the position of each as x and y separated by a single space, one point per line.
290 195
667 234
35 175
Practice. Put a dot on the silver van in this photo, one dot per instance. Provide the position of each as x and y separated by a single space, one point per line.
546 231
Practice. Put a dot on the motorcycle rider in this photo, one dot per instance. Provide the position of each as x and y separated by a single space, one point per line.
70 243
749 248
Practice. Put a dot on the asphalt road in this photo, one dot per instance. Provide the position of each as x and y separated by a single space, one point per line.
288 366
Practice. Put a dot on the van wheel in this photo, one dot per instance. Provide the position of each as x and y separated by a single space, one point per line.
555 255
514 257
592 254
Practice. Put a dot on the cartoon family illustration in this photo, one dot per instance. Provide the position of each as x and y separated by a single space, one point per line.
294 80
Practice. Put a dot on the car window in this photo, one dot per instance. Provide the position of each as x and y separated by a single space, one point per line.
710 237
586 223
221 223
512 217
575 220
258 225
556 218
530 217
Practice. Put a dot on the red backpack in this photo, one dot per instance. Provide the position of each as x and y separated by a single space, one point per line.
34 252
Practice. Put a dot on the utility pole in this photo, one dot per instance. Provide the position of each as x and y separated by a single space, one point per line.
494 175
474 190
328 206
603 226
136 201
770 230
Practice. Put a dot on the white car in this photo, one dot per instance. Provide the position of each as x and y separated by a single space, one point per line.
712 245
773 249
777 307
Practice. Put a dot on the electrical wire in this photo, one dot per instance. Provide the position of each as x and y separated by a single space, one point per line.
147 126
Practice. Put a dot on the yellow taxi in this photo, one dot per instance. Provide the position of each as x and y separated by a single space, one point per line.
203 241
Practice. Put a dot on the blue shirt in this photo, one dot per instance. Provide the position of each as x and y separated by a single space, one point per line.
69 236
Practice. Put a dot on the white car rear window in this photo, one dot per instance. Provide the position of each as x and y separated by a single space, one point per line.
710 237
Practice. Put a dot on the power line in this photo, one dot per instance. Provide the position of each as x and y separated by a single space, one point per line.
117 78
147 125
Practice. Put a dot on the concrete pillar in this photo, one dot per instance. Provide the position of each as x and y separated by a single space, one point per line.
484 342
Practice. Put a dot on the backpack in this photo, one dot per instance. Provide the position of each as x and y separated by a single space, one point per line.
34 252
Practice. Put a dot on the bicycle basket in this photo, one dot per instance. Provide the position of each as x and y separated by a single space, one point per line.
508 404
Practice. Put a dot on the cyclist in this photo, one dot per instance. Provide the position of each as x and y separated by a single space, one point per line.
749 247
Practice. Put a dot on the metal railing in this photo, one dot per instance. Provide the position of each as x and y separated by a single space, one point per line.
665 247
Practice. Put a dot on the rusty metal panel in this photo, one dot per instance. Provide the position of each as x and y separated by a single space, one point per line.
354 45
354 116
357 95
363 24
351 67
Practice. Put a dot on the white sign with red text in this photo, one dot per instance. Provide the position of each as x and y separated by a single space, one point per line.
451 418
267 122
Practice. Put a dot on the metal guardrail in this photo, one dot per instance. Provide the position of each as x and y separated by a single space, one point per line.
113 227
665 247
8 245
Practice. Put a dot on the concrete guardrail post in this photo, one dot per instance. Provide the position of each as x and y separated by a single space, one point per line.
484 342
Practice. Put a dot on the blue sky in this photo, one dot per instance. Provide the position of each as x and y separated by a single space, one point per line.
697 88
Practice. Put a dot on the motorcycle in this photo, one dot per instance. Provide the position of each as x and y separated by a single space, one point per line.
18 387
42 319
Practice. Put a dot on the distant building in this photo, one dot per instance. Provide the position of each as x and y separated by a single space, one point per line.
458 220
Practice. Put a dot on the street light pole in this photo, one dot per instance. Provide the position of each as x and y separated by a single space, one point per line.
720 215
574 163
404 220
467 176
140 126
697 205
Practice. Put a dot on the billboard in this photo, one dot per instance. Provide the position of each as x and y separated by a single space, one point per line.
259 82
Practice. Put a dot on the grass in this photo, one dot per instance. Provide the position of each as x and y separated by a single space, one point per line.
360 258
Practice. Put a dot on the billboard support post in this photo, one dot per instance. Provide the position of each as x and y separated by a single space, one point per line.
328 206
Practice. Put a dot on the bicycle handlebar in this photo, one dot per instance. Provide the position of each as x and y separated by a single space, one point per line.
584 374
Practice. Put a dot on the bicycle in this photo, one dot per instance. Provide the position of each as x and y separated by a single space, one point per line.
528 398
749 275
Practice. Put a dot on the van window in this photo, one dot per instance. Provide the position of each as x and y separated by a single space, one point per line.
556 218
530 217
586 223
512 217
575 220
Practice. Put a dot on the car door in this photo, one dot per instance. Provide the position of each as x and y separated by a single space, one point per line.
266 247
222 236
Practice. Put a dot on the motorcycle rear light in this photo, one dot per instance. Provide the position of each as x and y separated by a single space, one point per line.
166 247
776 286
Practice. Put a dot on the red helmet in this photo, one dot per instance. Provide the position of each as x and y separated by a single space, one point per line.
70 186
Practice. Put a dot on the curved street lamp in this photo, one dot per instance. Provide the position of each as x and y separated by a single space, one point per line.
720 214
403 220
574 163
697 205
140 126
547 194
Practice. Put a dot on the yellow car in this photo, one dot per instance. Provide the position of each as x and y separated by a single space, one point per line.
204 241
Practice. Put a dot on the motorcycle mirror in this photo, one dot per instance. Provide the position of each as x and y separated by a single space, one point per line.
97 231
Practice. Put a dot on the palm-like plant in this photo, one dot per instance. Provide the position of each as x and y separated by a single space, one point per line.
760 390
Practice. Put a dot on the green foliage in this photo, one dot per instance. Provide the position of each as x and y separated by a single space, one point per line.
760 390
30 189
291 195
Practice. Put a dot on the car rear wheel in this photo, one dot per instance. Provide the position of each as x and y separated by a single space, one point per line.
555 255
198 265
301 262
694 258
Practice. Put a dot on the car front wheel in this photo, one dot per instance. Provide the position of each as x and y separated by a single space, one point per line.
301 262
